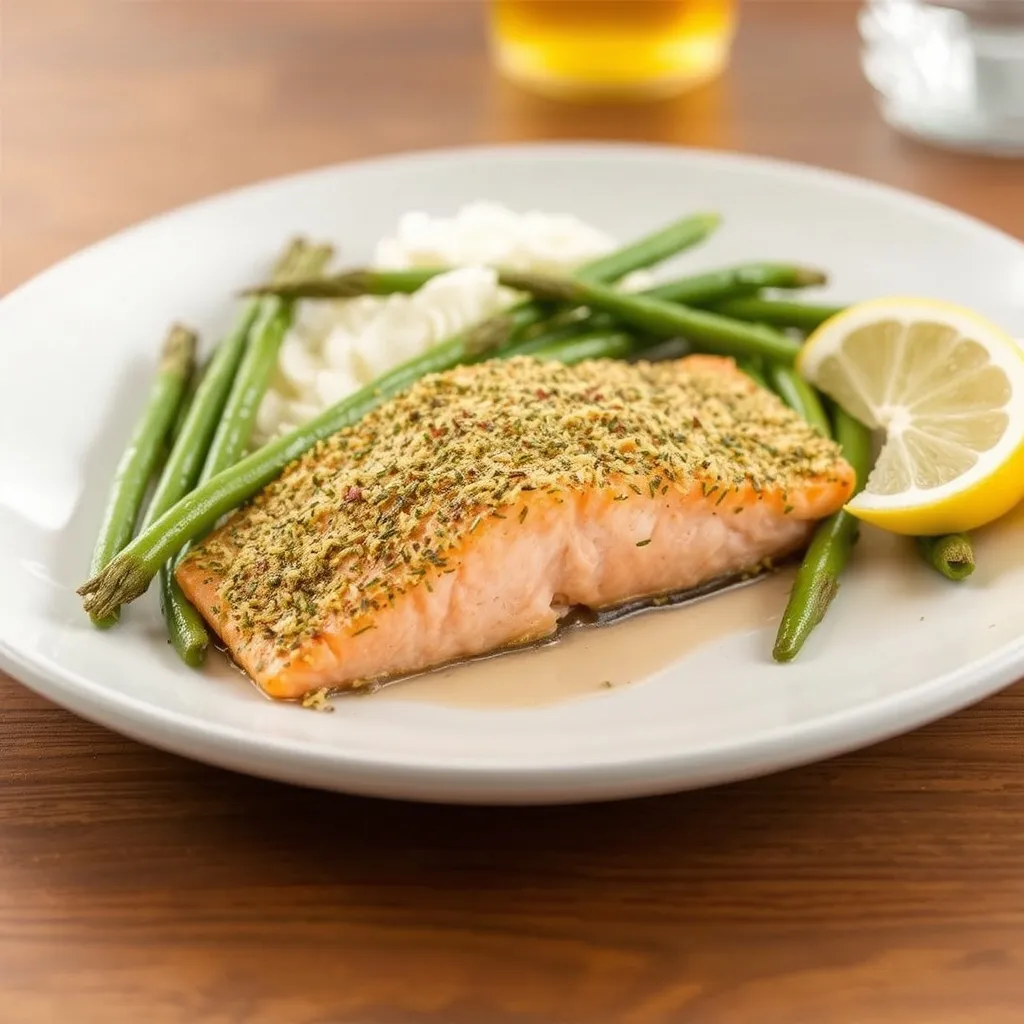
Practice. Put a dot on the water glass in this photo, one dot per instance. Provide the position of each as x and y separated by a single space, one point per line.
949 71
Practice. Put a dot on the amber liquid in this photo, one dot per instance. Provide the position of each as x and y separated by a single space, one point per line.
618 48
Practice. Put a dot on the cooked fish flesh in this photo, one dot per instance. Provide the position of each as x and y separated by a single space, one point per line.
475 509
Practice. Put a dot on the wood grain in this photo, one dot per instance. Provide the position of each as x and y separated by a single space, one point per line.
885 886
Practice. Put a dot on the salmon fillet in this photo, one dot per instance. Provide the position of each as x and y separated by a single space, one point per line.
475 509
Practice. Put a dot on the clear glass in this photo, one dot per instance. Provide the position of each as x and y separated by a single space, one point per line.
949 71
611 48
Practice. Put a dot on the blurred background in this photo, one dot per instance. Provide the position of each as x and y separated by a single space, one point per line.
117 109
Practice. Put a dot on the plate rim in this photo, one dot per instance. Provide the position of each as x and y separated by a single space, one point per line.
481 783
581 147
391 775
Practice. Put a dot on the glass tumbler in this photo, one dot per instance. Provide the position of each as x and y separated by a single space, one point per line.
622 49
949 71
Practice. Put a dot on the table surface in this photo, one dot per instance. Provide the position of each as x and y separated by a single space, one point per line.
885 886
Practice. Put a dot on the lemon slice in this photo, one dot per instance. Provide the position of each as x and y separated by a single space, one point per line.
947 388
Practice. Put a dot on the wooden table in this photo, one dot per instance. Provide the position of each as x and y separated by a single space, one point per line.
886 886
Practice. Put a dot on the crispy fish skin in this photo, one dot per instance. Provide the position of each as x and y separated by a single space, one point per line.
472 511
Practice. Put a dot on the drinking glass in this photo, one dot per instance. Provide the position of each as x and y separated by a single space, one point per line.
949 71
612 48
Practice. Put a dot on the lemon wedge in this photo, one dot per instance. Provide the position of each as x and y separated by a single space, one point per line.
947 388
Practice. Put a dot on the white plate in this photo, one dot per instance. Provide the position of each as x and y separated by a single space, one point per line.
900 646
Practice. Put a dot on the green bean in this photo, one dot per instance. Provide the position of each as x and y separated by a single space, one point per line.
777 313
651 249
817 579
598 345
951 555
695 290
661 318
754 369
140 457
799 396
506 328
557 335
186 628
184 405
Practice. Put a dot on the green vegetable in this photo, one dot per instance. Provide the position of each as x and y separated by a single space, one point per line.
817 579
695 290
186 628
135 469
951 555
556 334
131 572
653 248
799 396
253 377
189 454
184 405
645 252
186 458
777 313
661 318
369 281
495 331
655 316
754 369
717 286
597 345
349 284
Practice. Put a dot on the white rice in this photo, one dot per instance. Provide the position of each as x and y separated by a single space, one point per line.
334 348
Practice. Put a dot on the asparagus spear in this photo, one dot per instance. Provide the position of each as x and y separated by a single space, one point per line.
143 451
254 372
817 579
349 284
645 252
776 312
185 625
640 312
951 555
733 283
185 462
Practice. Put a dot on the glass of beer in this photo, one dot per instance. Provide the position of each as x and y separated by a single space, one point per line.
612 48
